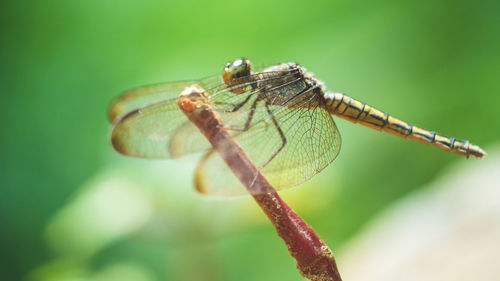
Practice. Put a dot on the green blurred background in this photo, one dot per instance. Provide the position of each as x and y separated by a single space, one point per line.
72 209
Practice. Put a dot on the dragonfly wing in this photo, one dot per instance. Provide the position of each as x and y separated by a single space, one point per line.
147 132
213 177
151 94
312 142
148 123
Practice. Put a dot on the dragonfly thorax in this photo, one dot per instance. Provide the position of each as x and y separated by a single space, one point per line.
297 83
302 72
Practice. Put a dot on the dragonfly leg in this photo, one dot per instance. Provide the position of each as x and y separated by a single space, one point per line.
249 118
235 108
283 143
282 135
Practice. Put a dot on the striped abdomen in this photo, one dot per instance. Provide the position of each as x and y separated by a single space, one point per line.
358 112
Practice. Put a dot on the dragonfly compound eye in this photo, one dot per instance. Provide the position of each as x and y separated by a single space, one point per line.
238 68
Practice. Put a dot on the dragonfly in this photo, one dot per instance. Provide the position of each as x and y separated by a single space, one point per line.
280 115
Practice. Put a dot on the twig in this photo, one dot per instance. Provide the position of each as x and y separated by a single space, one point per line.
315 260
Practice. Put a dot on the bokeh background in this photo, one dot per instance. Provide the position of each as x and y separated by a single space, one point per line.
73 209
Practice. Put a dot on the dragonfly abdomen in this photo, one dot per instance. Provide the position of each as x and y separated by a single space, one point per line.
359 112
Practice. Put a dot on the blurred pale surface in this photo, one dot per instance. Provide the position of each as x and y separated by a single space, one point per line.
447 231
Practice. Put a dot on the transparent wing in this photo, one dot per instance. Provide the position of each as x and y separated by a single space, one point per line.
143 96
147 132
145 119
312 142
148 123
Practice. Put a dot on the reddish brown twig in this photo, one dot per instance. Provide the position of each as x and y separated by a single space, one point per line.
315 260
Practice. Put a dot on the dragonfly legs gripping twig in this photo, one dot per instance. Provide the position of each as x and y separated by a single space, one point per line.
236 107
250 115
248 120
282 135
246 126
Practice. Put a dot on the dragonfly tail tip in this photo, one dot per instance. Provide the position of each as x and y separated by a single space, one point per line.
478 152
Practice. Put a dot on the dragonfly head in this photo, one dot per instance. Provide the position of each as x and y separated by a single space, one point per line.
236 69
